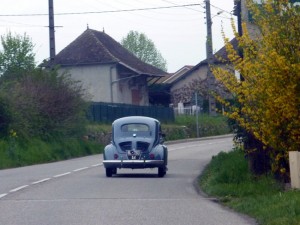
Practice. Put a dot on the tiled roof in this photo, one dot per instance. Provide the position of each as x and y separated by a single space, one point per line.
95 47
173 76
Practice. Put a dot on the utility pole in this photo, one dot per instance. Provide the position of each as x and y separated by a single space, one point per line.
209 58
240 29
51 31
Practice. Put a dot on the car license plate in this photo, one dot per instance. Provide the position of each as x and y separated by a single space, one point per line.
133 154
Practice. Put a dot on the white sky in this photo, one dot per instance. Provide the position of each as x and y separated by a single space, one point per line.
178 33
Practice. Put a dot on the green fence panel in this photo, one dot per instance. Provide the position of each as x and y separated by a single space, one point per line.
108 112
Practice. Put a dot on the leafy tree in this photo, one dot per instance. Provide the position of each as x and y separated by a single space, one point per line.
269 95
5 116
144 48
16 56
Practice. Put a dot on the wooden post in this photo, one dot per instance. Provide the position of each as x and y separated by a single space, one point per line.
294 158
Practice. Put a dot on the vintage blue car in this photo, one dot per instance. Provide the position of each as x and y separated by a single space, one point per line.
137 143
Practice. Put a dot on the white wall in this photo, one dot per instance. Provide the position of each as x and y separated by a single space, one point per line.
96 80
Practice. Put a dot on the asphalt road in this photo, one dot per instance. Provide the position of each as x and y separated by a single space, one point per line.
77 192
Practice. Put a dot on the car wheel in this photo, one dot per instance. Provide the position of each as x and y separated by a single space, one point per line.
161 171
109 172
114 171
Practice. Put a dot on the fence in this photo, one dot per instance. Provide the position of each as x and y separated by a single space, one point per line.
108 112
190 110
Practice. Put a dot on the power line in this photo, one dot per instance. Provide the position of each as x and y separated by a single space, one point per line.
109 11
184 7
18 24
220 9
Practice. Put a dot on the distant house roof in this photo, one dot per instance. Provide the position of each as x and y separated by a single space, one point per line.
173 76
222 53
95 47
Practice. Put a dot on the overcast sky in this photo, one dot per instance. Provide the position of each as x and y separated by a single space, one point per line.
179 33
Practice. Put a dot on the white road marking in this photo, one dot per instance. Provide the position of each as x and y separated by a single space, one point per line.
41 181
19 188
95 165
61 175
47 179
83 168
3 195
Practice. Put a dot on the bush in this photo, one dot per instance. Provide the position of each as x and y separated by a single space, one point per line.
5 117
44 103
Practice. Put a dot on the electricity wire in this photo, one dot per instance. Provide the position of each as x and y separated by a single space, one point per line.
99 12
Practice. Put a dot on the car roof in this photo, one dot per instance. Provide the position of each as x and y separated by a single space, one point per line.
135 119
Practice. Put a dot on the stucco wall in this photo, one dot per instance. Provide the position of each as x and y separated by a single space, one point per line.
131 89
200 73
103 84
95 79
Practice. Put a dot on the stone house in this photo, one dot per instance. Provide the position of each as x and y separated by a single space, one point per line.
108 71
181 87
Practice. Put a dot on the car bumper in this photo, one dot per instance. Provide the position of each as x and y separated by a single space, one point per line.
133 163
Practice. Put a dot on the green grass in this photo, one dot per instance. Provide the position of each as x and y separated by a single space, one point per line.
183 127
208 125
227 177
15 151
18 152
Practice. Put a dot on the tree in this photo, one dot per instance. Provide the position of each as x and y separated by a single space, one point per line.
142 47
269 95
16 56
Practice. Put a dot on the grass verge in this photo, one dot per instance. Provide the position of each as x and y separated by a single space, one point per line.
227 177
208 125
17 152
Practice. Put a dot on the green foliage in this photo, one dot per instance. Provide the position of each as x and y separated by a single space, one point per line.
17 55
268 94
44 103
208 125
5 117
227 177
184 127
42 112
225 169
144 48
35 150
36 102
175 132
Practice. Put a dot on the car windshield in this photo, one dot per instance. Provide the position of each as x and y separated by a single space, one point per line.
135 127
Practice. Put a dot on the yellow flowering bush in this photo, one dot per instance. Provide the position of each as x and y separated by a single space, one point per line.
269 93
